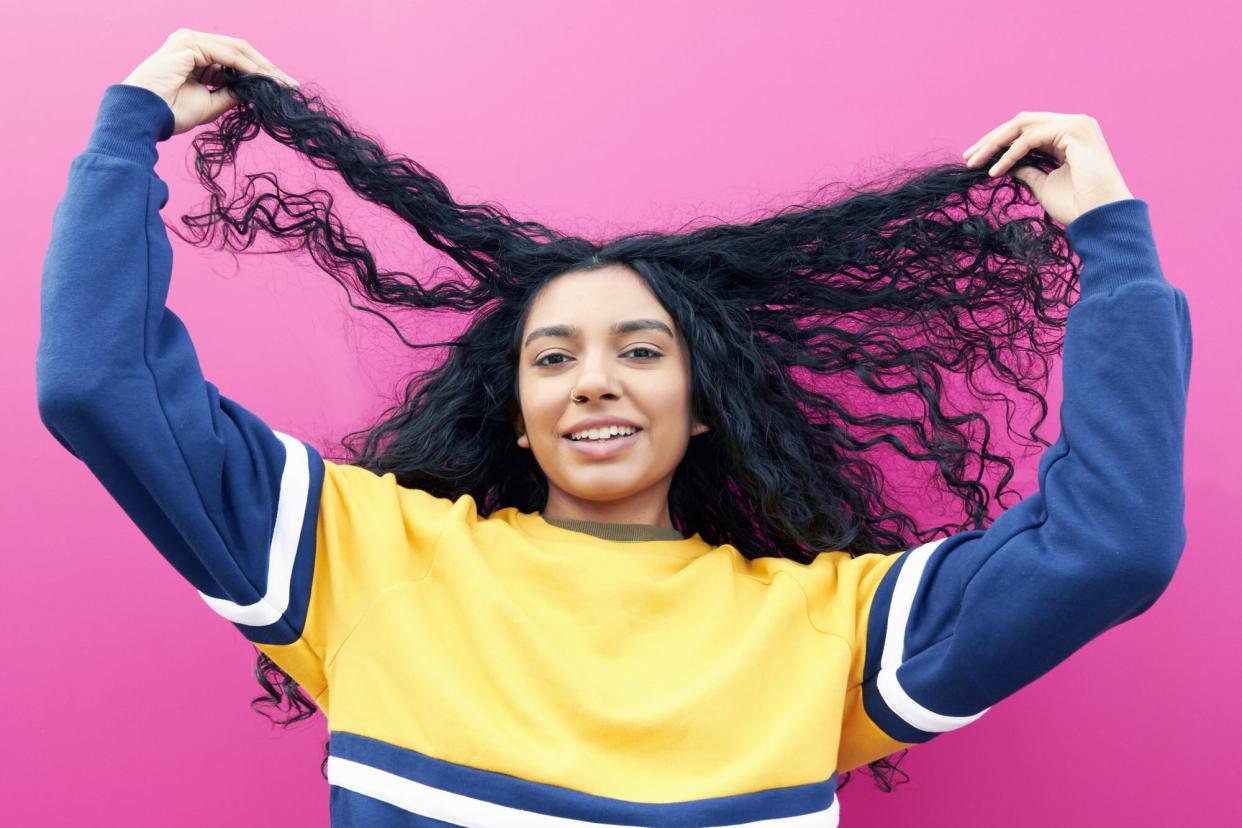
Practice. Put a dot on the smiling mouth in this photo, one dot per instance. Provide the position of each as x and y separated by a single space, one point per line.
588 440
603 449
605 439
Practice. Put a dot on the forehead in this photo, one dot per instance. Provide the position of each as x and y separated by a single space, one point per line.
594 299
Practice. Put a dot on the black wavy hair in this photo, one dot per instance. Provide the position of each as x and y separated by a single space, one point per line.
841 319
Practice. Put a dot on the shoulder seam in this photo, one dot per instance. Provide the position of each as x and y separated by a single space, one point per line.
365 613
806 605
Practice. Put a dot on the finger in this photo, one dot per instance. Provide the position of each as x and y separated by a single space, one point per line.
221 101
994 140
207 53
1033 178
1016 150
212 75
999 137
264 66
974 148
1042 135
1017 120
1033 136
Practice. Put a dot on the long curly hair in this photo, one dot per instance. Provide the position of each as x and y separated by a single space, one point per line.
816 336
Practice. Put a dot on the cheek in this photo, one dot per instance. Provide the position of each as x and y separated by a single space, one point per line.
669 404
541 408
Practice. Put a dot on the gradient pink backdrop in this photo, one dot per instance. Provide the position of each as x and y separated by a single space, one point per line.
125 699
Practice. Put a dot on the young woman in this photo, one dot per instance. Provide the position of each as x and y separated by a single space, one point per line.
618 560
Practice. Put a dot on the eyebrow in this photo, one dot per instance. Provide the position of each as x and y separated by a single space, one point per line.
619 328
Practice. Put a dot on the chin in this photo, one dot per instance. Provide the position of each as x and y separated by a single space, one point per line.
605 482
601 487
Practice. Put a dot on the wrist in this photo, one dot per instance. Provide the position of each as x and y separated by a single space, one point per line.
1105 197
129 123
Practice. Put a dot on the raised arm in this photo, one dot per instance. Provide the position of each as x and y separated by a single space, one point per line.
956 625
230 503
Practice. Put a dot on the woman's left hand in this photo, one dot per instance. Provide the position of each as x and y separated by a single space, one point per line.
1088 177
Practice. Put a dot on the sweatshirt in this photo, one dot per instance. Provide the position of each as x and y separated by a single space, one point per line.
511 669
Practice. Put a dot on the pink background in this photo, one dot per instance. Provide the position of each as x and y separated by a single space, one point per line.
125 696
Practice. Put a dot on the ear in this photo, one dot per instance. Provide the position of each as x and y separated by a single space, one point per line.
520 427
698 428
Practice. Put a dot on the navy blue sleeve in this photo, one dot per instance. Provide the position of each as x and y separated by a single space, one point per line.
962 622
229 502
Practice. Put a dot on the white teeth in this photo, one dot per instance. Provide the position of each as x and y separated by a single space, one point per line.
602 433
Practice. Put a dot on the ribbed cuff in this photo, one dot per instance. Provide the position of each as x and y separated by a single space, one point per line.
129 123
1116 246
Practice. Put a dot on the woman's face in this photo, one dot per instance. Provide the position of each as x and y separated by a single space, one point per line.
579 363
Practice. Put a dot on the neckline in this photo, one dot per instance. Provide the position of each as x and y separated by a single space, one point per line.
624 532
643 538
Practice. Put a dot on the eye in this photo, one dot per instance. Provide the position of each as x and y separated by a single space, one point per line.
543 359
654 354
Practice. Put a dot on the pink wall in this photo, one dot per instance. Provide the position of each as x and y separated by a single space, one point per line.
123 694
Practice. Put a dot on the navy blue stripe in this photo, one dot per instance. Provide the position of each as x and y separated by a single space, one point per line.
932 617
888 721
938 600
877 633
512 792
877 619
291 624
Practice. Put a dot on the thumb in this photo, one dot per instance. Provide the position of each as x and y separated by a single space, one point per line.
1031 177
221 101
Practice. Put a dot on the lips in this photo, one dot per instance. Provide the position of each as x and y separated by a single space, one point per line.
584 430
597 423
603 448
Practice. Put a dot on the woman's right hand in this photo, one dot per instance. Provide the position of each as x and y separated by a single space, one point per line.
187 63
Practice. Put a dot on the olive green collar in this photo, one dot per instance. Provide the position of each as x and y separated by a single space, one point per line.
617 531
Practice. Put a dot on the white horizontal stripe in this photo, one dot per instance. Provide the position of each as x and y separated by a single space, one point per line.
894 695
290 508
457 809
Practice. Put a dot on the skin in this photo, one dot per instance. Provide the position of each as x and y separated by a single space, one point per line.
610 376
182 70
1087 178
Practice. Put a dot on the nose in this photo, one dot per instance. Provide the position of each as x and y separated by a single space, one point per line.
595 380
